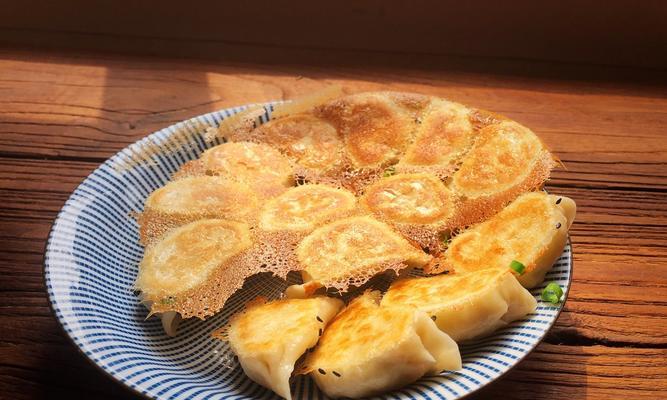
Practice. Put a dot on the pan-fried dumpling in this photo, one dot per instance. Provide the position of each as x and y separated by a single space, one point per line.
190 199
443 137
374 128
269 338
350 251
506 160
468 305
175 268
531 230
368 349
420 199
258 165
304 207
311 141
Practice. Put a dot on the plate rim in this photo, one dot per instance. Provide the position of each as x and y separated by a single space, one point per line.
561 307
196 120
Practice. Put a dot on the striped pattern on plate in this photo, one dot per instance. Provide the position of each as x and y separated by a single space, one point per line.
91 264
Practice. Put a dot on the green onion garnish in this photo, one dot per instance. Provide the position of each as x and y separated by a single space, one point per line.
517 267
552 293
446 240
168 300
390 171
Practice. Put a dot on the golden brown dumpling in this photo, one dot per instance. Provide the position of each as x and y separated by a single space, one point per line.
465 306
302 208
189 199
260 166
311 141
374 128
269 338
532 230
443 137
369 349
350 251
506 160
183 258
178 268
418 199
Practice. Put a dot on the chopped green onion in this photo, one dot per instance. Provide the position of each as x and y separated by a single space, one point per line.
390 171
446 240
168 300
517 267
552 293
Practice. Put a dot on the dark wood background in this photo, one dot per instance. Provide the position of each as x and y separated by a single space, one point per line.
615 32
81 80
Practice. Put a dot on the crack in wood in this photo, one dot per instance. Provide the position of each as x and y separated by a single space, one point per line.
571 337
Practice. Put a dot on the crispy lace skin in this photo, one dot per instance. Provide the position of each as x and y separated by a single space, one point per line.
409 170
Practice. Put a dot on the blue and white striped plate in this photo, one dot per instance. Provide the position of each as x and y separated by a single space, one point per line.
91 264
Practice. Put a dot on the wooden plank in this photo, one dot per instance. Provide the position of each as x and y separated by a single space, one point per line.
60 116
78 108
620 33
47 365
591 372
106 105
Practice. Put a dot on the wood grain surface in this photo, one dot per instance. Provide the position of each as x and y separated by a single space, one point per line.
61 115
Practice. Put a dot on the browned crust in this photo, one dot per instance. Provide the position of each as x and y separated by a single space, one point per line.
429 238
481 208
344 282
415 103
190 169
308 102
381 121
442 172
480 118
243 121
275 252
345 177
154 224
208 298
271 252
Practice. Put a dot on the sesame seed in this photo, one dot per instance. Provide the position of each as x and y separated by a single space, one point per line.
336 373
558 225
559 200
319 319
320 333
321 371
433 317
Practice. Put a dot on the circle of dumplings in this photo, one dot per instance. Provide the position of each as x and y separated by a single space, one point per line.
91 265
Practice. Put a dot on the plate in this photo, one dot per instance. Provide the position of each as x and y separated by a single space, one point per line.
91 263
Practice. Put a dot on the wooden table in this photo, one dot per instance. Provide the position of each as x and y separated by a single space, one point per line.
62 114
